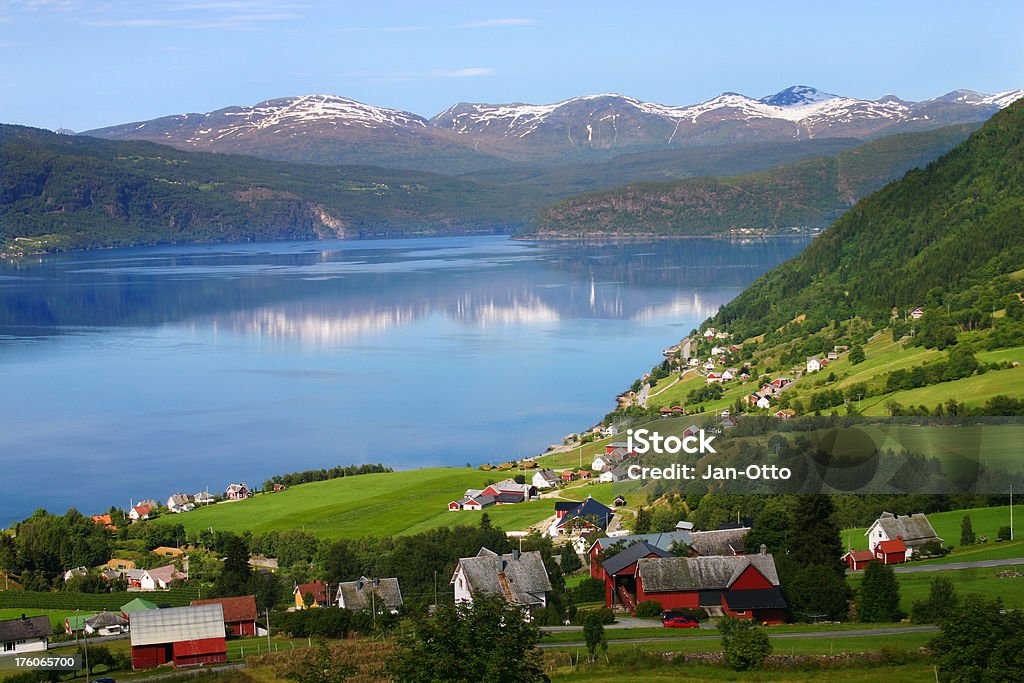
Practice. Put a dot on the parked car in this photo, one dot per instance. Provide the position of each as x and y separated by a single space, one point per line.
678 620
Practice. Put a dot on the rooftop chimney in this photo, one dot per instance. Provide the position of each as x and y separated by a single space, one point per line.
764 549
515 554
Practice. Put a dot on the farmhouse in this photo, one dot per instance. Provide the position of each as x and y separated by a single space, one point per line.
140 511
519 578
317 591
181 502
813 364
105 624
785 414
182 636
105 521
744 586
610 458
614 474
239 614
913 530
370 594
506 492
544 479
203 498
27 634
598 550
585 517
713 377
237 492
72 573
160 578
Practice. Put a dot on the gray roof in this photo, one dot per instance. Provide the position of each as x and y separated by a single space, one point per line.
630 555
701 573
549 475
25 629
356 595
519 578
663 541
915 529
720 542
177 624
106 620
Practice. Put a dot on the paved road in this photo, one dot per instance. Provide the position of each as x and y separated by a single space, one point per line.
806 634
1009 562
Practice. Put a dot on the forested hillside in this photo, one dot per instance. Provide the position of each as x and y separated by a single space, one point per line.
949 238
809 193
59 191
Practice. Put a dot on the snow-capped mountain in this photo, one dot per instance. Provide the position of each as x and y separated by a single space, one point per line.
474 136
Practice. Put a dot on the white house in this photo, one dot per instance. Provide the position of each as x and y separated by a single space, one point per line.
72 573
237 492
181 502
159 578
917 313
713 377
813 364
718 350
519 578
140 511
106 624
763 402
709 333
613 474
914 530
729 375
545 479
27 634
203 498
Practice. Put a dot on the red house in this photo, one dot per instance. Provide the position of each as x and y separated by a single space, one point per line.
891 552
239 613
585 474
182 636
568 475
857 560
742 586
609 447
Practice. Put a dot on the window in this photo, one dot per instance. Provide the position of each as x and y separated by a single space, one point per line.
9 646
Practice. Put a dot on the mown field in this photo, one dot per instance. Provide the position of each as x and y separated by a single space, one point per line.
386 504
56 616
983 581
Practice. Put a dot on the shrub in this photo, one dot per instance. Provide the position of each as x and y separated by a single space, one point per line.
588 590
604 615
648 608
746 646
1004 534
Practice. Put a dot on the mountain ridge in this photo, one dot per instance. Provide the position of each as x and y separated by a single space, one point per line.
468 137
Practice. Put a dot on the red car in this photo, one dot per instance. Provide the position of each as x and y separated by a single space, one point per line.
678 620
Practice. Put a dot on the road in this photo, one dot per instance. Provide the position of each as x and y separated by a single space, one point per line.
976 564
780 636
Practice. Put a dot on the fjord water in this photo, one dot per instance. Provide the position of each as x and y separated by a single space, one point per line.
137 373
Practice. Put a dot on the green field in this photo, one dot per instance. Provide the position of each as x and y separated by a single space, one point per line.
914 586
984 521
387 504
56 616
697 673
973 391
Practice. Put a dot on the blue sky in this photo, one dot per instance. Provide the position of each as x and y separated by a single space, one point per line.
80 65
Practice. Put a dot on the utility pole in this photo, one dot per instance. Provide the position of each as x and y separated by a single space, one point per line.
1011 511
268 629
85 639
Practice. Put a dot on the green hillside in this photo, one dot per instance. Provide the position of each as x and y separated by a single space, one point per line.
946 237
61 191
389 504
809 193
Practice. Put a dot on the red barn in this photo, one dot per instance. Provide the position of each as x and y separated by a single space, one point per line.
182 636
620 573
891 552
858 559
742 586
239 613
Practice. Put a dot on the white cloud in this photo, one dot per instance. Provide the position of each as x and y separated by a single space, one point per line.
462 73
494 23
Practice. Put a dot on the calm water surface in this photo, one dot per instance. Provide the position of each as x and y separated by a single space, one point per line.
136 373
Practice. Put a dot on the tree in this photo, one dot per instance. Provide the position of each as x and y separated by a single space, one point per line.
857 354
879 597
772 527
593 634
942 601
487 640
815 540
745 644
967 536
236 574
643 520
570 561
969 637
813 593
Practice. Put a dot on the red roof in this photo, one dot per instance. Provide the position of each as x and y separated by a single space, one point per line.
890 547
235 609
860 555
317 588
